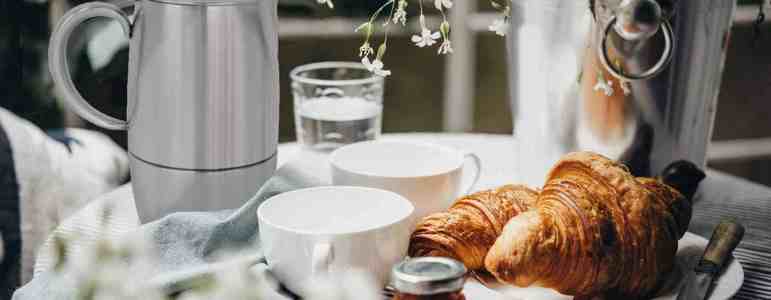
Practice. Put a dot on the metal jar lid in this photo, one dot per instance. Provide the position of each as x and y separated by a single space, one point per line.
428 276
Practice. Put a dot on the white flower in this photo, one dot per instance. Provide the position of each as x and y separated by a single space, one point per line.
440 4
446 47
426 38
366 50
400 16
375 66
327 2
605 86
626 86
500 26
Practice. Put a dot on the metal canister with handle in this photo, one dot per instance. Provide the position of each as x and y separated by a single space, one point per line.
203 95
634 80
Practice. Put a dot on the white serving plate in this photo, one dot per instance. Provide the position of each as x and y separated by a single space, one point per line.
689 251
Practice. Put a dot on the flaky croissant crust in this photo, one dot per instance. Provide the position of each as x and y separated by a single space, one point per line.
594 229
471 226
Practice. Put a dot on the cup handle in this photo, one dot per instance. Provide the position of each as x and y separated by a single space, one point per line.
57 58
478 166
321 260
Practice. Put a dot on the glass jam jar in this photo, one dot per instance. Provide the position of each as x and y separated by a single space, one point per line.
429 278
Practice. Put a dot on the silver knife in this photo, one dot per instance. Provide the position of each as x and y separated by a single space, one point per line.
698 282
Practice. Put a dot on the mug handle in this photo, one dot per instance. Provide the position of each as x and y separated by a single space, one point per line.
478 164
60 70
321 260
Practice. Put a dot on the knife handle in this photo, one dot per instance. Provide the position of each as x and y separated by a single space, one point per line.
724 240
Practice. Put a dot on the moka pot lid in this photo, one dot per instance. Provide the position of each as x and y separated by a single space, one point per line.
208 2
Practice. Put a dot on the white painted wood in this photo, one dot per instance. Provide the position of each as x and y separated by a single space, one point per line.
460 74
739 150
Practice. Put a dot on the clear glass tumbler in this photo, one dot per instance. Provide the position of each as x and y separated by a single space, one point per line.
336 103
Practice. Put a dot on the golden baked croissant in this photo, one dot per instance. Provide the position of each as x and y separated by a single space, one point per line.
471 225
594 230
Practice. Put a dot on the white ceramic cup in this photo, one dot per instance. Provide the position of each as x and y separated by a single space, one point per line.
318 233
426 174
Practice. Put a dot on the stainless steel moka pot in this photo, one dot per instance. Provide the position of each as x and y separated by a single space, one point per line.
635 80
203 94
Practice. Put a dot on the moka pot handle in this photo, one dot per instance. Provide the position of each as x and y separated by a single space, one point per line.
60 69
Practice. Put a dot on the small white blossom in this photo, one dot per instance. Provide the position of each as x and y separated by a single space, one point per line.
446 47
441 4
400 16
500 26
426 38
606 86
327 2
366 50
375 66
626 86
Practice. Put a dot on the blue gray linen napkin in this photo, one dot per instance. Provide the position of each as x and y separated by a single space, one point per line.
188 243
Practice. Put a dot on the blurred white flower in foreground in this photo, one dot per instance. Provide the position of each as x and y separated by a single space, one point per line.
106 270
237 281
352 285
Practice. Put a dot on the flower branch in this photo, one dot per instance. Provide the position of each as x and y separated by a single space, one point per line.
426 38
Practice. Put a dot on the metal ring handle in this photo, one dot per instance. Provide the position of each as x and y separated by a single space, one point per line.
666 57
57 58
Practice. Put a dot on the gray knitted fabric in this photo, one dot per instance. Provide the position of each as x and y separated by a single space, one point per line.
187 243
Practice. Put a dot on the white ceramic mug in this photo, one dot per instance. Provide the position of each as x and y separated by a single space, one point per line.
318 233
426 174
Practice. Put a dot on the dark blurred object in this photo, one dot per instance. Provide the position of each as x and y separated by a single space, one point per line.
10 221
106 90
25 86
638 156
684 176
758 24
743 108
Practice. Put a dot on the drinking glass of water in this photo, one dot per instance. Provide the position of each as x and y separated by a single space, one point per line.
336 103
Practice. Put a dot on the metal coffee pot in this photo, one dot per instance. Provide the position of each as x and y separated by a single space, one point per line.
203 94
635 80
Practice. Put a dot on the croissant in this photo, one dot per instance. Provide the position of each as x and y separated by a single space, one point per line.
471 225
594 230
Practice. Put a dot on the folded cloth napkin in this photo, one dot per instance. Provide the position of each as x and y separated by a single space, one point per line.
44 178
187 243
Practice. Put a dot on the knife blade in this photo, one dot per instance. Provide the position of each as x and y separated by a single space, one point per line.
724 240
